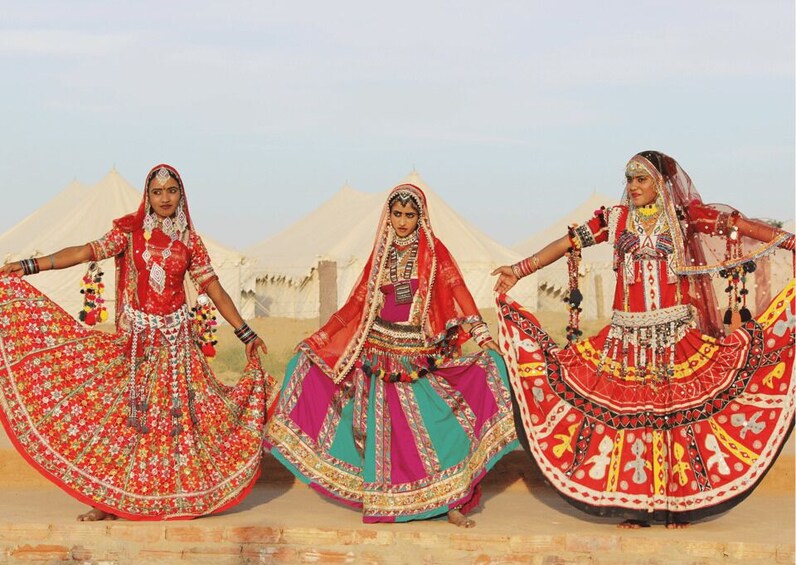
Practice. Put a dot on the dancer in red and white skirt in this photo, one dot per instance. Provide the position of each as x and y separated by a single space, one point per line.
134 423
660 416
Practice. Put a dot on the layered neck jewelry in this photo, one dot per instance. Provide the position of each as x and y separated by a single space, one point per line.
403 288
404 241
647 217
173 228
648 210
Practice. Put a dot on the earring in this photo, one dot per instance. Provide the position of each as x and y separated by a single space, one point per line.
150 222
182 219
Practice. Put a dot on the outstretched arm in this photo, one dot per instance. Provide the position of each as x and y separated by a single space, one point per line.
63 259
762 232
708 219
230 313
508 275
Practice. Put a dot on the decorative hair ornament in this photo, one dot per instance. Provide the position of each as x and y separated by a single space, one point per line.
635 168
404 197
162 176
204 325
92 287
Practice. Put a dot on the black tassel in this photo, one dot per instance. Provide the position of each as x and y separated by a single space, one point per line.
575 298
746 315
728 317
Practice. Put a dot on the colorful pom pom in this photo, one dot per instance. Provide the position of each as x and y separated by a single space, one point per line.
94 310
204 325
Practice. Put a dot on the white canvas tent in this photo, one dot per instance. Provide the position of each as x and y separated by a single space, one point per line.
82 213
342 229
596 267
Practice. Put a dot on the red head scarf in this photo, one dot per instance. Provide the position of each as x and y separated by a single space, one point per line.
445 301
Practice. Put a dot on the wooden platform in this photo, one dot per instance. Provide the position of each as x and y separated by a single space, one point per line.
521 521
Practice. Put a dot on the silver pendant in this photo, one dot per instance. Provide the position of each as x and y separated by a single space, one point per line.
403 293
157 278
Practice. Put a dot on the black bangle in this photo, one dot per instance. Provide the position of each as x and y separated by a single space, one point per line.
245 334
29 266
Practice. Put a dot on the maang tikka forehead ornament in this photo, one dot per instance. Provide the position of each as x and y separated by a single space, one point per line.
405 197
162 176
638 166
634 169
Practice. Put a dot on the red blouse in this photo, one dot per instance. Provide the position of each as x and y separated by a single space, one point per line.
189 256
644 277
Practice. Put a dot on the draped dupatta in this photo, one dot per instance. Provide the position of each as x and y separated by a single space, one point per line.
698 253
445 302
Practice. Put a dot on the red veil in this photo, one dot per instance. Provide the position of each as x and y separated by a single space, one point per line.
699 248
445 301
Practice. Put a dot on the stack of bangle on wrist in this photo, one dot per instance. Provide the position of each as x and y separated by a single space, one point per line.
29 266
480 334
526 266
245 334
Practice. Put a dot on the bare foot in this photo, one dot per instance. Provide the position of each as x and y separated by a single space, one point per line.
633 524
677 525
456 518
95 515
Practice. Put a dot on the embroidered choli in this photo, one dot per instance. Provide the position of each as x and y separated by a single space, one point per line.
187 255
642 257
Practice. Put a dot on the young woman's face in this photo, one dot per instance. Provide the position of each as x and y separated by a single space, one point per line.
164 197
403 218
641 189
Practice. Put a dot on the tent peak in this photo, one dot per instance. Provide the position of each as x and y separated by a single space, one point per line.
414 178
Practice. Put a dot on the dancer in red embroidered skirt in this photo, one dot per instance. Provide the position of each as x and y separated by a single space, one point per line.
660 416
135 423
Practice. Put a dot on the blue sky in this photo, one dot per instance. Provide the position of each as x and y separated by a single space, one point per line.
513 111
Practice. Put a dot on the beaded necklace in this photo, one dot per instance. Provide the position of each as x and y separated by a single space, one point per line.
403 289
647 217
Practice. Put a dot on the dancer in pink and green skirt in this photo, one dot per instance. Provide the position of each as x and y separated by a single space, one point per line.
379 409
